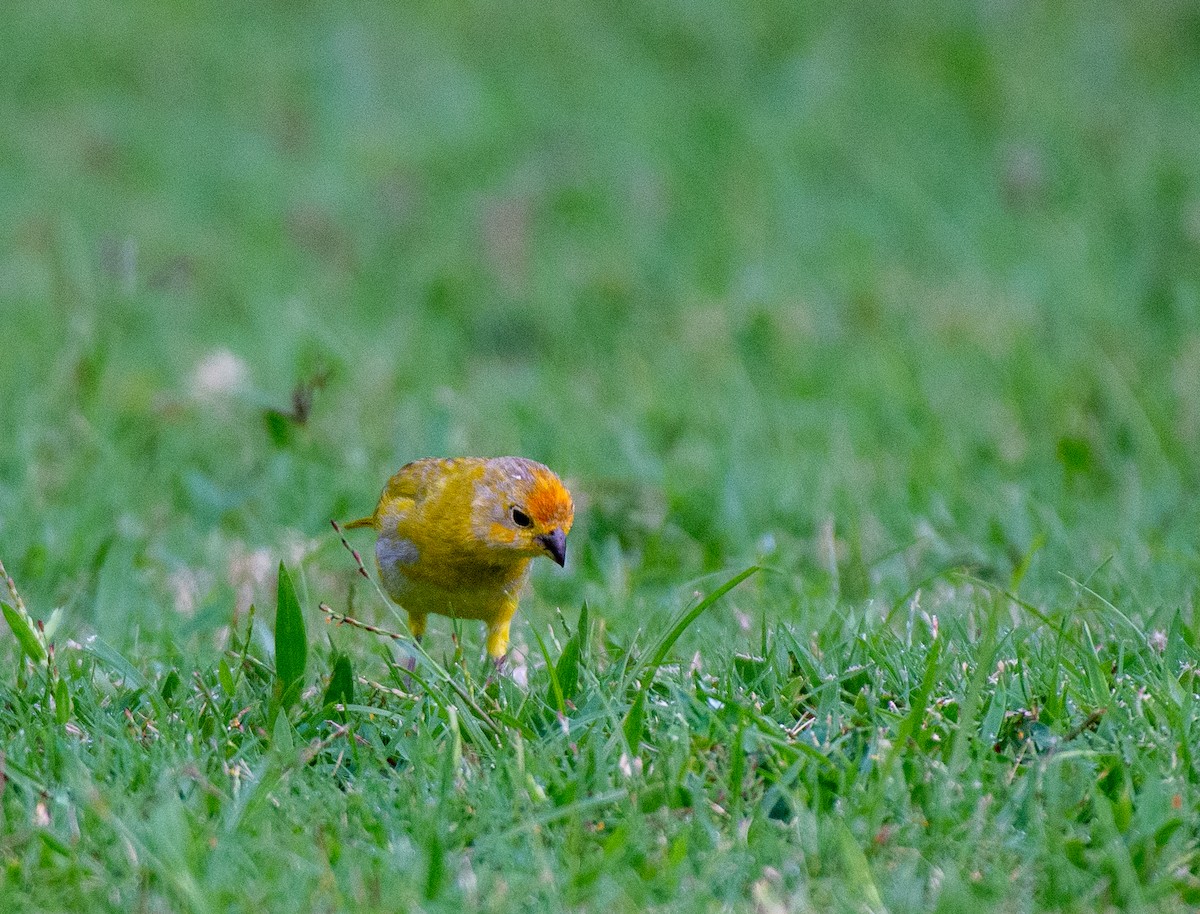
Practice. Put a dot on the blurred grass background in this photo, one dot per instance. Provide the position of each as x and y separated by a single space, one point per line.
862 291
867 293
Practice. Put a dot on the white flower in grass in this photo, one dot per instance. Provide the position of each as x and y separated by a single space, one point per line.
518 666
185 587
629 766
219 375
248 572
1157 641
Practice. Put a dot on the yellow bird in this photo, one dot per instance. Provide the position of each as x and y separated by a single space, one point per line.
456 536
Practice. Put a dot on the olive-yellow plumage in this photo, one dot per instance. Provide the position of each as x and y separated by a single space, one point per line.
456 535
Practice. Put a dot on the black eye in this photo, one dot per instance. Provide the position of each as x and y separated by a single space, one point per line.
520 518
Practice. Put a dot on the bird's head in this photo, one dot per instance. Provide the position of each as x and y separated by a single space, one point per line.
521 505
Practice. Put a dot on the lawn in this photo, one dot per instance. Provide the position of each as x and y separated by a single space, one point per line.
866 335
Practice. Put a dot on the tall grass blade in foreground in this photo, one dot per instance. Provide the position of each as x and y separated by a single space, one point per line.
291 642
635 719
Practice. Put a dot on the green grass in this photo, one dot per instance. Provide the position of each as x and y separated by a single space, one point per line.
900 303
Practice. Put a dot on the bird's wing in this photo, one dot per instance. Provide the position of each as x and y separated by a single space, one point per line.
414 481
406 487
405 483
425 480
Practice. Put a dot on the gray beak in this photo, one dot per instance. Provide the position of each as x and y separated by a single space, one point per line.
556 545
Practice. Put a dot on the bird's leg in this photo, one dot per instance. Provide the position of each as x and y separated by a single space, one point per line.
416 625
497 635
498 664
497 640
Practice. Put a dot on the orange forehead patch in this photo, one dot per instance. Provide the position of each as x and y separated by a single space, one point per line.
549 501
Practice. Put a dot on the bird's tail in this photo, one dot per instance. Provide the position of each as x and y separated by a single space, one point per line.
361 522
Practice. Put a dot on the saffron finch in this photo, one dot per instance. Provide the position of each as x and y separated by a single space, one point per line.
456 536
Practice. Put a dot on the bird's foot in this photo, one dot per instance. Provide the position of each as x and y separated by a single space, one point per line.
410 665
498 667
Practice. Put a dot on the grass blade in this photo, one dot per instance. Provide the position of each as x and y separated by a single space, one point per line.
291 640
635 718
910 726
695 613
341 683
564 675
25 633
